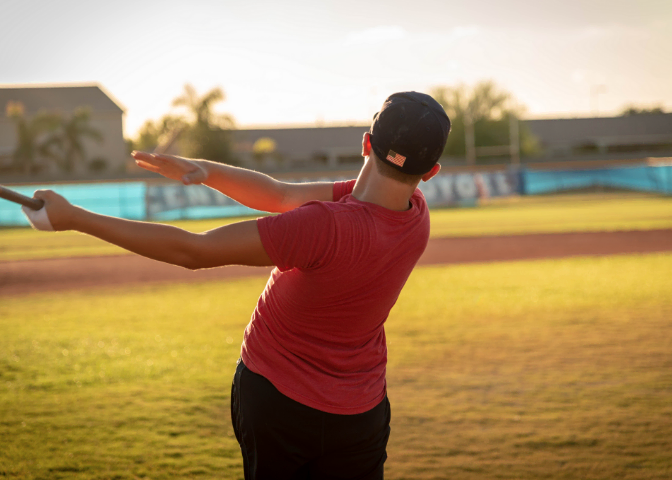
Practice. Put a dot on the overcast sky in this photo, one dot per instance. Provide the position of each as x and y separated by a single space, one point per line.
301 62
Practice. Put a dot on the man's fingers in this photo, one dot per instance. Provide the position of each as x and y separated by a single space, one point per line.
141 155
150 158
156 160
147 166
170 166
43 194
168 158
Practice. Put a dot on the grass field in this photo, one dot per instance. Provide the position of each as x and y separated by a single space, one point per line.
559 213
524 370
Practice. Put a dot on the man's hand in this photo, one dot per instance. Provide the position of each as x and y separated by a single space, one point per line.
60 212
184 170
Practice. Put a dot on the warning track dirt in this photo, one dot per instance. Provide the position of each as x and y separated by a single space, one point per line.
61 274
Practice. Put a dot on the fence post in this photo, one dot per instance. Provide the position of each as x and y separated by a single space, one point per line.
469 138
514 141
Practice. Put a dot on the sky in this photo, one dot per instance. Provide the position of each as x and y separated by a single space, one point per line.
296 62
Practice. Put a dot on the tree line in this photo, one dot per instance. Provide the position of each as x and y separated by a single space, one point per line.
489 110
481 115
200 133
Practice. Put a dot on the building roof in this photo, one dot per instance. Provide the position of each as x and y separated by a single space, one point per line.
628 129
59 98
304 143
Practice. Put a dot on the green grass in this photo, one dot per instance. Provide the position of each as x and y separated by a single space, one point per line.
556 213
553 369
559 213
525 370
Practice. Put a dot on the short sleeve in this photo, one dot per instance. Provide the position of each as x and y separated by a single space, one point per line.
341 189
299 238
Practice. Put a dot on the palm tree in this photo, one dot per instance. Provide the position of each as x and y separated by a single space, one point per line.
73 132
200 107
31 142
208 136
159 136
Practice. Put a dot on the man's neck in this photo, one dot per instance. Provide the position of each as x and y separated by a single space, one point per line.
388 193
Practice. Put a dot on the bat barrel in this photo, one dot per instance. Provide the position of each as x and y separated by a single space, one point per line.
12 196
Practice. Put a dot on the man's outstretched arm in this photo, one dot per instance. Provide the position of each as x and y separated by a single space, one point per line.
235 244
253 189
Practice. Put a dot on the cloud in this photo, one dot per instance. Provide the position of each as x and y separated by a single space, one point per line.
588 77
578 76
383 33
387 33
608 32
465 31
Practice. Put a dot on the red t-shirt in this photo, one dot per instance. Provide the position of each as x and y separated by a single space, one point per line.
317 331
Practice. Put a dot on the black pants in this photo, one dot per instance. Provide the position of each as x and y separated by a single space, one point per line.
284 439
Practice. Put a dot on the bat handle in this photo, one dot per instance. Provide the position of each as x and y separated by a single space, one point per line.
12 196
34 203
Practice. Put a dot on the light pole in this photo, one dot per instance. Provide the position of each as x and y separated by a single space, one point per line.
595 91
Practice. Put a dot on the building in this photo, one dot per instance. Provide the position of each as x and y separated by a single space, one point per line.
602 137
637 134
300 147
106 116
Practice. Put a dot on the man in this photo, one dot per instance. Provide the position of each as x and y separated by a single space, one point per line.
308 398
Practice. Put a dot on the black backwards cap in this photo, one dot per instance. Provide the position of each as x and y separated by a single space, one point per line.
410 132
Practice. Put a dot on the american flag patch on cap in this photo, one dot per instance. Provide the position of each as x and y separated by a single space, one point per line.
395 158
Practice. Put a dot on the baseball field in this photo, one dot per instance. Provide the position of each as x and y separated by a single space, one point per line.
551 361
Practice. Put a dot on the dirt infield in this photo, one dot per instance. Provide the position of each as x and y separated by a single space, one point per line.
31 276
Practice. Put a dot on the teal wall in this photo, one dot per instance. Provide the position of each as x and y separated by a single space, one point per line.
126 200
655 179
173 201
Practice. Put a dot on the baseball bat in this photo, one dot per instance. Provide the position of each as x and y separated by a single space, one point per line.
12 196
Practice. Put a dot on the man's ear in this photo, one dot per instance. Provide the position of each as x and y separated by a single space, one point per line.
366 145
435 169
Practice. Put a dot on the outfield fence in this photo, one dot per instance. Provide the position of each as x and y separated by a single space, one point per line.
174 201
119 199
650 178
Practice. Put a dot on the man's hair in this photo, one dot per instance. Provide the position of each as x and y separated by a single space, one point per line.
390 172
